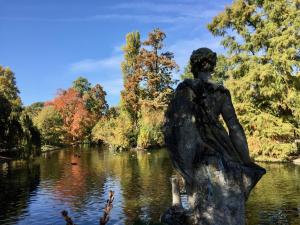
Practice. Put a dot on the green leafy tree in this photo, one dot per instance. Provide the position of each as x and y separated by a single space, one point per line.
50 124
219 74
95 101
262 39
30 138
5 111
150 128
17 130
82 85
187 74
131 50
116 131
33 109
8 87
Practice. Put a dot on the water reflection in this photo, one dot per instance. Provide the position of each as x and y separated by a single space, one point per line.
19 182
38 191
276 198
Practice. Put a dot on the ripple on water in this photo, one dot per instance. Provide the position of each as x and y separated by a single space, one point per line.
36 193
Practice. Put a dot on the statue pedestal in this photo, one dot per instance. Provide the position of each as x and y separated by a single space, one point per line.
218 194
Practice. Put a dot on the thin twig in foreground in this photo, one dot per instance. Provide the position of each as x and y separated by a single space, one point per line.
105 218
68 219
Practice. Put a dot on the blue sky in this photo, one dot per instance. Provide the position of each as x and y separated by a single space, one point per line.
48 44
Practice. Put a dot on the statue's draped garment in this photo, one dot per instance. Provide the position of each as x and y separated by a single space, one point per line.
193 129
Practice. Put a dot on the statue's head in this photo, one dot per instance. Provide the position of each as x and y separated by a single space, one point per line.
202 60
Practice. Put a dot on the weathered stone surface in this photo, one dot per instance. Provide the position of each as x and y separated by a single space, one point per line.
214 163
218 196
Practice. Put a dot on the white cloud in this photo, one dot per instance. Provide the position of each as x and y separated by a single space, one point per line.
110 74
144 12
142 18
113 87
188 9
97 65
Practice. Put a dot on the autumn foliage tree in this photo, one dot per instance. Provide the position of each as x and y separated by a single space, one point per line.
79 108
76 118
148 85
130 95
155 69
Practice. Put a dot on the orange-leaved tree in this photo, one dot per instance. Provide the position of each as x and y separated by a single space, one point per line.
76 118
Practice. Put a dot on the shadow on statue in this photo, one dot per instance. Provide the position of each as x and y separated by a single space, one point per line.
213 162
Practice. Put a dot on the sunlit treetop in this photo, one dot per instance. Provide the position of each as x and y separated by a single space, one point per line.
82 85
262 39
8 87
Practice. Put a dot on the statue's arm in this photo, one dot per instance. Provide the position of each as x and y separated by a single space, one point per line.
236 131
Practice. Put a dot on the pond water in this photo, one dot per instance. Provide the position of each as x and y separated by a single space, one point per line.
36 192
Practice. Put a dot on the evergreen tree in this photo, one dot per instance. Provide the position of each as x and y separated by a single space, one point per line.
219 74
187 74
131 50
262 39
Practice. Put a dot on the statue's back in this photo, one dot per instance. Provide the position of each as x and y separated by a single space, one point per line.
217 179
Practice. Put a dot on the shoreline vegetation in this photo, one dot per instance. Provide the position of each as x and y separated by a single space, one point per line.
49 148
261 70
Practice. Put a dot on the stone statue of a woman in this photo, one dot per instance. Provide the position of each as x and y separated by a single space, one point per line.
214 163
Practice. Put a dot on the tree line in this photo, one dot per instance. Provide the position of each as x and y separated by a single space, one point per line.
80 114
260 68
